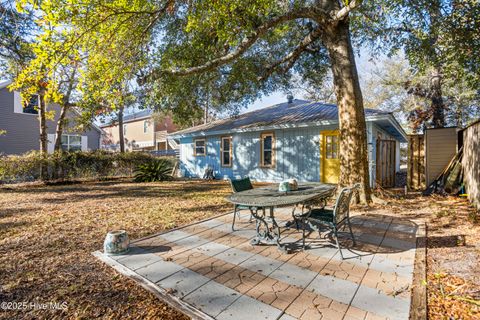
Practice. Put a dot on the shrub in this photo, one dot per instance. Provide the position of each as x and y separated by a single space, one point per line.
157 170
70 165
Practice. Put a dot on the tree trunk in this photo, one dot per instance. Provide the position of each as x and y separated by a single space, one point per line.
43 133
63 111
353 135
60 125
43 123
437 106
120 130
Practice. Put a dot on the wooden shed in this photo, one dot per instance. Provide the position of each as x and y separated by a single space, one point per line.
429 154
440 147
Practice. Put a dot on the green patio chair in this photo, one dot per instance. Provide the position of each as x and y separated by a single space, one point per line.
238 186
333 219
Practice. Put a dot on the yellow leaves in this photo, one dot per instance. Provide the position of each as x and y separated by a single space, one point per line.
50 115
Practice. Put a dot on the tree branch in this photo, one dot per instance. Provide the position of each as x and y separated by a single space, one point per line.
244 45
343 12
293 55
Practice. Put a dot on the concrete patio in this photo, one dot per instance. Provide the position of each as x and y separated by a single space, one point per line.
210 272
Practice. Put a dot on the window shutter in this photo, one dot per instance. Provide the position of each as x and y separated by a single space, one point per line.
17 102
84 143
51 142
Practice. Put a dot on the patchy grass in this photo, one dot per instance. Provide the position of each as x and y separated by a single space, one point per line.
47 234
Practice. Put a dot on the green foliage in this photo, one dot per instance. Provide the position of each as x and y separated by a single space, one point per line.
158 170
16 28
70 165
129 39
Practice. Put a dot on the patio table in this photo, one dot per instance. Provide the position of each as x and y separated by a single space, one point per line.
270 198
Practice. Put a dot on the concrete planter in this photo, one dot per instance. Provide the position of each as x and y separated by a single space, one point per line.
116 242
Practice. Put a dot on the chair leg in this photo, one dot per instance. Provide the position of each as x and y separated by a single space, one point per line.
303 234
251 215
335 233
234 215
351 232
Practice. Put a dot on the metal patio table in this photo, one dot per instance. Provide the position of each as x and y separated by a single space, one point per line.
269 198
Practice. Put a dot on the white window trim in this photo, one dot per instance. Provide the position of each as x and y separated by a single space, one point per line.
81 145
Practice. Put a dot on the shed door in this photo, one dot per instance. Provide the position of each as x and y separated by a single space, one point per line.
330 164
385 173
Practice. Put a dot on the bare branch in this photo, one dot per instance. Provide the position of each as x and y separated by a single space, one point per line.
244 45
293 56
343 12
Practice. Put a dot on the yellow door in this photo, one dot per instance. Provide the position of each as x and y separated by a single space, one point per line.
330 163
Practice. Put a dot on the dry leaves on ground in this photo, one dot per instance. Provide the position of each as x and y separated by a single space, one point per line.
47 234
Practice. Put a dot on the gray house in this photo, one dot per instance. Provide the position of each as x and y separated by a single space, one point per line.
23 130
297 139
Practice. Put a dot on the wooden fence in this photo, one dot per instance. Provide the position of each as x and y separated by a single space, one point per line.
471 162
416 162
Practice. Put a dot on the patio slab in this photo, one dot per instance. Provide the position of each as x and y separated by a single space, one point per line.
210 272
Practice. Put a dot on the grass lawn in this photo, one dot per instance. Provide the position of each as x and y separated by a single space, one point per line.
47 234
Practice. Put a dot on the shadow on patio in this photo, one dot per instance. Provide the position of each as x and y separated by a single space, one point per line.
209 271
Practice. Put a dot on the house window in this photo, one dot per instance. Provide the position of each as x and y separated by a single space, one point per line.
200 147
145 126
267 144
71 142
331 147
226 151
31 106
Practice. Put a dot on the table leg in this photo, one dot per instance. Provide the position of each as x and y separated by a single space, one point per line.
265 233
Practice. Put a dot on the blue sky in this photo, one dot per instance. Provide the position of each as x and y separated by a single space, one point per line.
364 66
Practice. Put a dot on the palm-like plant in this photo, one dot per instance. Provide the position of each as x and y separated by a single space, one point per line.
157 170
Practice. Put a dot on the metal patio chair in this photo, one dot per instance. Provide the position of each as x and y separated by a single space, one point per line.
238 186
333 219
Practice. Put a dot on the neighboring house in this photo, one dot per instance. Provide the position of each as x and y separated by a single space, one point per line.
297 139
141 133
23 128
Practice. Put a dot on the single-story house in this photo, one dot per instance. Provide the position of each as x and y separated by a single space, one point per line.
21 127
296 139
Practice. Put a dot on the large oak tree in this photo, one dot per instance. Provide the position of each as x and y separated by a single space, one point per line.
250 47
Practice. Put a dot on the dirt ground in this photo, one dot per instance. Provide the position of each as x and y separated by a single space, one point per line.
47 234
453 251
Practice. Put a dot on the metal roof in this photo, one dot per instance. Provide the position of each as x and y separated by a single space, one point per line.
294 113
